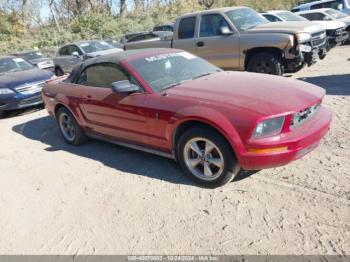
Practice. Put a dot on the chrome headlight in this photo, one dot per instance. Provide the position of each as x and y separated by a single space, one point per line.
269 127
6 91
303 37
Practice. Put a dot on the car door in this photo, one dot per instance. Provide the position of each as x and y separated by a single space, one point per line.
186 34
120 116
221 50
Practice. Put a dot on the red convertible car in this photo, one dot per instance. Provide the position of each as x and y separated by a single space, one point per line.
174 104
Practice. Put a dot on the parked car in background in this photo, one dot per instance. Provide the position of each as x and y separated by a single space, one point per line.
114 43
125 38
238 38
37 59
165 27
327 14
150 36
20 84
70 55
174 104
341 5
336 33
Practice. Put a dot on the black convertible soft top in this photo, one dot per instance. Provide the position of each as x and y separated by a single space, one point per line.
110 58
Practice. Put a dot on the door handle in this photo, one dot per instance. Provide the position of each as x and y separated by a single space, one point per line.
200 43
88 97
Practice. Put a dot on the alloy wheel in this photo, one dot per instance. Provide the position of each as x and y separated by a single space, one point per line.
204 159
67 127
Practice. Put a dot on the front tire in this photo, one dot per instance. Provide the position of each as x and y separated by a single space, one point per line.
70 130
206 157
265 63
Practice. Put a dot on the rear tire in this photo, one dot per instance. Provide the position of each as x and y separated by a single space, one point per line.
2 114
265 63
70 130
206 157
59 71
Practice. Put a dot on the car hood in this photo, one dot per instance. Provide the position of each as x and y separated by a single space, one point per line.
15 79
331 25
291 27
104 52
345 20
264 94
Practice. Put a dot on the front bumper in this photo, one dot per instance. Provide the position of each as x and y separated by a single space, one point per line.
305 55
299 142
338 40
20 101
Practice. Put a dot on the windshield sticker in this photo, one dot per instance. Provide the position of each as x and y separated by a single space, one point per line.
187 55
104 43
38 53
18 60
84 44
166 56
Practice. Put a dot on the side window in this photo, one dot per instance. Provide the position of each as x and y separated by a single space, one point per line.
73 48
63 51
271 18
137 38
332 4
187 27
317 16
317 6
211 24
102 75
307 16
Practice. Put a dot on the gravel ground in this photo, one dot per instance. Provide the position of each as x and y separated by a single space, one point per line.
103 199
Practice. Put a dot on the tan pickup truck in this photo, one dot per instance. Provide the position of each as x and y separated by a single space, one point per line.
238 38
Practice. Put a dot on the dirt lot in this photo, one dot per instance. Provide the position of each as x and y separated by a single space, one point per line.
104 199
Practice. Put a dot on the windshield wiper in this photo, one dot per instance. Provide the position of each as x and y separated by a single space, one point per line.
196 77
175 84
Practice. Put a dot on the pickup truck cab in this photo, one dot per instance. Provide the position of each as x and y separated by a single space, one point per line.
238 38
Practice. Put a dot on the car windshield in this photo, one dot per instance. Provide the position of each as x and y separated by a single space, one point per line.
13 65
167 70
336 14
31 55
289 16
246 18
95 46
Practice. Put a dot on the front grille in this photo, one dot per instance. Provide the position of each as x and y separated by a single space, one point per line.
30 101
304 115
30 88
318 39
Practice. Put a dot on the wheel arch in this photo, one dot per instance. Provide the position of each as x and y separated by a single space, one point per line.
253 51
75 114
225 129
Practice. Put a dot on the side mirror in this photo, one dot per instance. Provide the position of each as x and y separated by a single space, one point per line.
124 87
76 54
327 18
224 30
340 7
